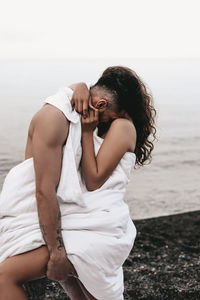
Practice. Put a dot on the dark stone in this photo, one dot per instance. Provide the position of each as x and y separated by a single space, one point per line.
163 264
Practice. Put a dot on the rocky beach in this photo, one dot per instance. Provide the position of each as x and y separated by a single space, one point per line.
163 264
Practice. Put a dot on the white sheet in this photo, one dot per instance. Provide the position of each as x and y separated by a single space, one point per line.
98 232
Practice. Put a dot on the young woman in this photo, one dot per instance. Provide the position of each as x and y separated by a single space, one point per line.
98 236
115 136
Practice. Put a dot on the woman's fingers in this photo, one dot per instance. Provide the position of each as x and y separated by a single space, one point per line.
80 97
85 107
90 103
80 106
91 106
92 117
91 121
76 105
91 114
72 103
96 114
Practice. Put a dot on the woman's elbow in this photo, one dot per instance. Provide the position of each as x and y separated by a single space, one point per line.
93 185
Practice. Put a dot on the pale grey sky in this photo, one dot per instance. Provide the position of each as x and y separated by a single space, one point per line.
103 28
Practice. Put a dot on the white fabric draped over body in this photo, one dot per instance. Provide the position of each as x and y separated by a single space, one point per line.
97 230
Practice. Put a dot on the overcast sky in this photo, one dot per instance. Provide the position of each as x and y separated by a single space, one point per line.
99 28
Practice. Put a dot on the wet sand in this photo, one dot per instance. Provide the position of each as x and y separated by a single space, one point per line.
163 264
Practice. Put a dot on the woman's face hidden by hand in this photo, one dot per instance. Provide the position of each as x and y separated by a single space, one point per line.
97 102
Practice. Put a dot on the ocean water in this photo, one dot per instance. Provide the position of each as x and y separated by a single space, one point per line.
170 183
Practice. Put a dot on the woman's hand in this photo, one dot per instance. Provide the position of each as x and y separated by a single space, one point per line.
80 98
59 267
98 167
91 121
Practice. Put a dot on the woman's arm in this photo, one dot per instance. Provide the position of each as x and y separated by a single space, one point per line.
118 140
80 98
49 135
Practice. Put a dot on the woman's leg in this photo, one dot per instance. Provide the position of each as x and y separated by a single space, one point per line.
76 290
87 294
19 269
73 289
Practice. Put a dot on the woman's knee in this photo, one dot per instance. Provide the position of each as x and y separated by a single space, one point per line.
5 278
24 267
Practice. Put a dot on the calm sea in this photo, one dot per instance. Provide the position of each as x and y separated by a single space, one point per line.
170 184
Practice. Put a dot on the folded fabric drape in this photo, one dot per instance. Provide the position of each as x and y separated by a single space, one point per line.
97 230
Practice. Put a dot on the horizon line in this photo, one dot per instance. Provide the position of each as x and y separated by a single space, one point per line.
95 58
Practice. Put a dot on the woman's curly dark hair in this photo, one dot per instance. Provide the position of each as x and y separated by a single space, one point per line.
132 96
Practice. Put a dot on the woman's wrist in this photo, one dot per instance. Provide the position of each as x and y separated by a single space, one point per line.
79 84
55 252
87 133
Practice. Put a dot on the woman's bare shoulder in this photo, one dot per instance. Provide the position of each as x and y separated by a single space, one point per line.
50 117
124 127
123 122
